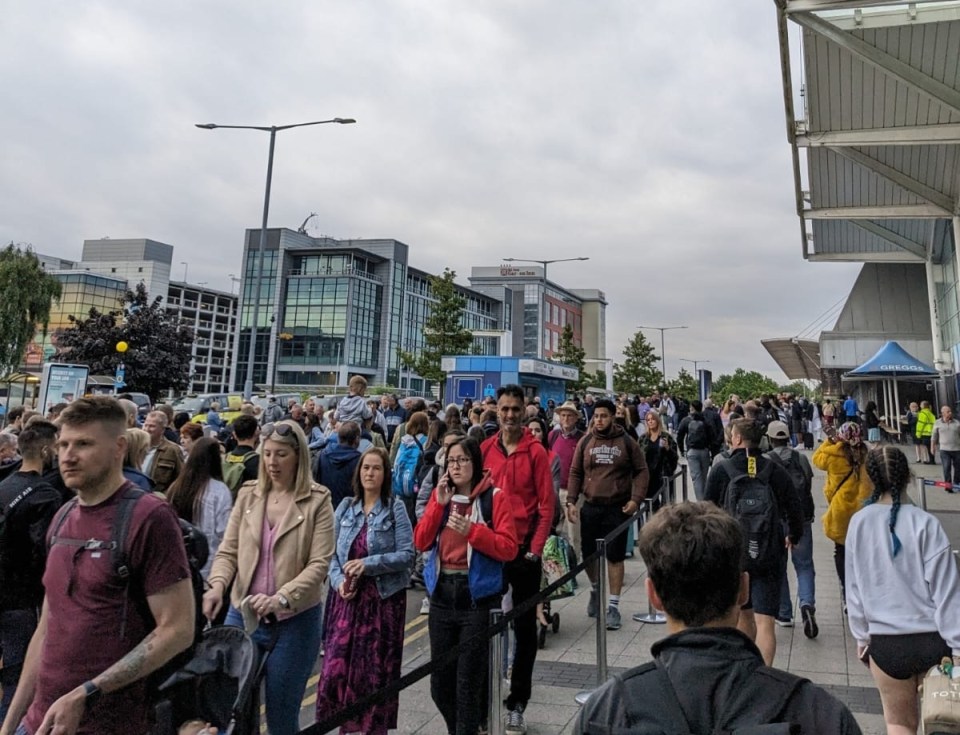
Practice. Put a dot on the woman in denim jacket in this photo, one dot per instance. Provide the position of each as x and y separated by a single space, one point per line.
369 573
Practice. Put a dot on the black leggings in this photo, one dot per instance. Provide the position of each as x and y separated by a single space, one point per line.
840 561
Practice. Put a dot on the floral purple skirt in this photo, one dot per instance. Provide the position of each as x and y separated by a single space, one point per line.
363 650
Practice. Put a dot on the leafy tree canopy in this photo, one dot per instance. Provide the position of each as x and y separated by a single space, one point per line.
28 292
684 385
569 353
639 373
443 330
158 354
744 384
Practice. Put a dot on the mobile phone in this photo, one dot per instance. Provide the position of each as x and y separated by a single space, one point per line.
865 656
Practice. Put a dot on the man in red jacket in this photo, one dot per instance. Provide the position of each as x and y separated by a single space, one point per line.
521 468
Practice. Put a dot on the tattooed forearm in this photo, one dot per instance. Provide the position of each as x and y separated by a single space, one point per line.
134 666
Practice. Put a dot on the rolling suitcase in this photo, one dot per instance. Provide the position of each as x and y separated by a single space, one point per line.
807 440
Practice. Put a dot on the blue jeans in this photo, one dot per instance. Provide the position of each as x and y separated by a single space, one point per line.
698 460
802 555
288 667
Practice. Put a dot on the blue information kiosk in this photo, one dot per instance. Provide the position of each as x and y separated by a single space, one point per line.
475 377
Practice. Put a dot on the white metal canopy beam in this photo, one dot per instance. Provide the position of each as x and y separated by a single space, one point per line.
898 177
881 60
894 238
891 257
947 134
900 211
804 6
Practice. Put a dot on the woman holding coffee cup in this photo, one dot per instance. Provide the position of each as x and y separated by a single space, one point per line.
369 573
468 533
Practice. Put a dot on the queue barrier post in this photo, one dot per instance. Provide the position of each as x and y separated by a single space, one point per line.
922 492
686 487
495 683
582 697
652 616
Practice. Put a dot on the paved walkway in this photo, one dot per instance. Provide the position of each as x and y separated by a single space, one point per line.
568 662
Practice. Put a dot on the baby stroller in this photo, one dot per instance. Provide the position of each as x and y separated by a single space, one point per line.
220 684
556 563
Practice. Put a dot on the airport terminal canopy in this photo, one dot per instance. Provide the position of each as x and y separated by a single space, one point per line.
892 361
873 119
798 358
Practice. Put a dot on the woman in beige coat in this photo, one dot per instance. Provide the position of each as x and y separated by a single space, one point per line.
276 552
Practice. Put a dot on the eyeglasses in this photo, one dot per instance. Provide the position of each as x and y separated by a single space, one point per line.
458 461
283 430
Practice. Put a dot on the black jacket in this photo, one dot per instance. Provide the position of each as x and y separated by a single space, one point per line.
683 429
720 683
787 499
28 504
712 416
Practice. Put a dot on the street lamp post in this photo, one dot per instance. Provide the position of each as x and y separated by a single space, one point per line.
663 351
695 363
273 130
544 263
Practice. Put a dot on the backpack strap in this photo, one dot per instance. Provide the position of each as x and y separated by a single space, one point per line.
58 521
121 527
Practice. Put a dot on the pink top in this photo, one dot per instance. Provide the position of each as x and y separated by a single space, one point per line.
263 582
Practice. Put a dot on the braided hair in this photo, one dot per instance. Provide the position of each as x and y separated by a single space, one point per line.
889 471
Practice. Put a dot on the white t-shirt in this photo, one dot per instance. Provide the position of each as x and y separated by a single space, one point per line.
918 591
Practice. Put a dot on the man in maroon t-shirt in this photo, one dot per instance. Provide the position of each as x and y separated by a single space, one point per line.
86 665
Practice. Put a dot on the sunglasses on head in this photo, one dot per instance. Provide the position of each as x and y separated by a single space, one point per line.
284 430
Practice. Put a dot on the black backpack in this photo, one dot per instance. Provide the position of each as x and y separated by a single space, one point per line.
198 550
656 709
697 435
751 500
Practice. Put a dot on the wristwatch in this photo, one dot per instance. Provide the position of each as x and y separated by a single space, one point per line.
531 557
284 602
91 693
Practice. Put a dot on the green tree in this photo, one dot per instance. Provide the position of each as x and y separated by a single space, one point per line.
744 384
443 330
28 293
158 354
569 353
684 385
639 373
801 388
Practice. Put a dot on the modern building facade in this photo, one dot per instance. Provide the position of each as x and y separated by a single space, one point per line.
332 308
134 260
540 309
212 315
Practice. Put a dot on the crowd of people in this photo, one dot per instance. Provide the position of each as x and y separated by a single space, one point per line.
318 524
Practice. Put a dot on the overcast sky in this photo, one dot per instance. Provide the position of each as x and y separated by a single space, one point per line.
646 134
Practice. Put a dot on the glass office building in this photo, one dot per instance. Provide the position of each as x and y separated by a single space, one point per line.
331 308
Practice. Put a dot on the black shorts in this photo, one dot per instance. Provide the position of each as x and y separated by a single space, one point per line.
596 521
910 654
765 591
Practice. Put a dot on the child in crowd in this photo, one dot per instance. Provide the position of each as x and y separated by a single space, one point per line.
354 407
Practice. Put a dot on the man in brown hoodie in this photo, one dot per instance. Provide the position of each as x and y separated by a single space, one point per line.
610 470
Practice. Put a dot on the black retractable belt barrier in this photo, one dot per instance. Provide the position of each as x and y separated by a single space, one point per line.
351 711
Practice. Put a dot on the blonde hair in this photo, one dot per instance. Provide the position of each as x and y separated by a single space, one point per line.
297 440
357 384
137 442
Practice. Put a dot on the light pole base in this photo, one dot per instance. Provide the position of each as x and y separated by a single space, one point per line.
247 389
650 618
582 697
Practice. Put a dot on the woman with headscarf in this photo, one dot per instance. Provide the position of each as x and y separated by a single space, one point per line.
847 486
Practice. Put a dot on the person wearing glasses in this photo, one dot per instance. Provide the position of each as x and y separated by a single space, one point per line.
467 545
276 552
369 573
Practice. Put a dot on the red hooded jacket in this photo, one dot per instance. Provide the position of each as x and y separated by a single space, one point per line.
526 477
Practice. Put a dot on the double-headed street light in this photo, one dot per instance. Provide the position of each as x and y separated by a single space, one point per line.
544 263
273 130
695 363
663 352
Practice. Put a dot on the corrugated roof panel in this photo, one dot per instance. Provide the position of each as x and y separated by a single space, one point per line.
842 237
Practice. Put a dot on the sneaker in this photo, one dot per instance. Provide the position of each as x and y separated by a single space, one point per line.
613 618
425 606
592 604
809 617
515 723
784 622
